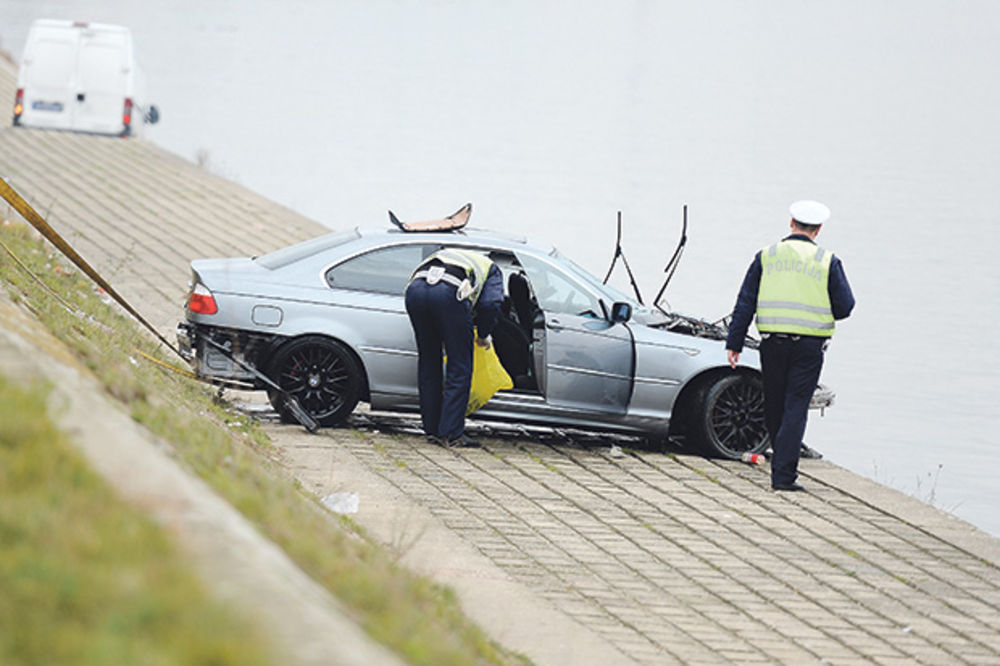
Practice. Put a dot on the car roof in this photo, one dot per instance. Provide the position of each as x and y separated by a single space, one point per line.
475 235
350 242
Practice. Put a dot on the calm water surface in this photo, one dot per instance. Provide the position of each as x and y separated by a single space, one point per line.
550 117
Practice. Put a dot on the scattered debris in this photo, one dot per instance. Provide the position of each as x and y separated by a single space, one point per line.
377 422
342 502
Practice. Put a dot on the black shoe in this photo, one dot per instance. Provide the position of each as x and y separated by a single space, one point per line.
434 439
787 486
809 454
462 441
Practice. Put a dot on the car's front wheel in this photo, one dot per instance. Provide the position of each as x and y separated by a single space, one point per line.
321 374
728 420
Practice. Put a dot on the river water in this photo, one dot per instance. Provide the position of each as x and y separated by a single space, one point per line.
552 116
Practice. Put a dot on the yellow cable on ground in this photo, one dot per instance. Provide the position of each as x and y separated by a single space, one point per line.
50 234
168 366
37 279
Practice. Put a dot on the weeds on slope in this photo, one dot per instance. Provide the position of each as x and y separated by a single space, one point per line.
87 579
420 620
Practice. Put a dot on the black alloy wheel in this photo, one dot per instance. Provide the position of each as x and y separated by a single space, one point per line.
322 374
730 416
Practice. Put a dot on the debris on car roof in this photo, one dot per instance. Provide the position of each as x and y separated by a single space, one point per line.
453 222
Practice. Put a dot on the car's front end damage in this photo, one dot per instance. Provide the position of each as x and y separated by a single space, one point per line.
822 398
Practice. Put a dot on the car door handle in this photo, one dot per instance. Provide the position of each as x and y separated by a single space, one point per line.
554 325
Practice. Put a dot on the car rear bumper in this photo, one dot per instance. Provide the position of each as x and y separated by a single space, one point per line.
225 366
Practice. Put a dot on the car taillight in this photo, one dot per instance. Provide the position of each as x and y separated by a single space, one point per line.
127 115
18 104
201 301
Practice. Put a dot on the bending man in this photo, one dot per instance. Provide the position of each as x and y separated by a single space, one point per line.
451 292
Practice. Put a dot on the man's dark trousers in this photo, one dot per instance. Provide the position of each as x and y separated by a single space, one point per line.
438 319
790 367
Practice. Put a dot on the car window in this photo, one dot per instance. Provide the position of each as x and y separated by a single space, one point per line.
555 291
293 253
385 271
593 281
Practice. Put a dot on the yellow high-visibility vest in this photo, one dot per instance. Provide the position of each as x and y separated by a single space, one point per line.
793 296
475 264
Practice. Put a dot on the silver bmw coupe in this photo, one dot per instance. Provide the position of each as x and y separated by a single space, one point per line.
321 326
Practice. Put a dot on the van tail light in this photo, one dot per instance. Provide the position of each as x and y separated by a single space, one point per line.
201 301
18 104
127 116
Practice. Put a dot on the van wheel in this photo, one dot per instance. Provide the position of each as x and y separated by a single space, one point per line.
322 374
728 419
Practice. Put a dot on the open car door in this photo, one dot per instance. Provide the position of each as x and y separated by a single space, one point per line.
582 360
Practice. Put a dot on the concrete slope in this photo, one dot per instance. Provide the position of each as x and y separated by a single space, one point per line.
139 214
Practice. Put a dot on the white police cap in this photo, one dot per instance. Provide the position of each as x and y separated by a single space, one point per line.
809 212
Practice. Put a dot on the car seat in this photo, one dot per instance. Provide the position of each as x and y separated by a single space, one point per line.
520 298
514 350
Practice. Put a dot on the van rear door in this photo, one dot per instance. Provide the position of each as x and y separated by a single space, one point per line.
102 80
50 76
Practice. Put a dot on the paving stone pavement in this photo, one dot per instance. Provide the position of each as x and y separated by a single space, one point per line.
680 559
643 556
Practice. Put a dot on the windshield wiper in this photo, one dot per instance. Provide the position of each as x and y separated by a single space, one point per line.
628 269
675 260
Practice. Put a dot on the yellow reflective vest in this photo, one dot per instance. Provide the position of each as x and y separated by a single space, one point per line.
475 265
793 296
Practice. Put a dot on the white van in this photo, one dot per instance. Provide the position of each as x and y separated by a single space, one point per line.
81 77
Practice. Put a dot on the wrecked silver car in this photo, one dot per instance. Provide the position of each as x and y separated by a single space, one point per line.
321 325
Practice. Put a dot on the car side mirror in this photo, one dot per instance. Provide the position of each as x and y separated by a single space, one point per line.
621 312
153 115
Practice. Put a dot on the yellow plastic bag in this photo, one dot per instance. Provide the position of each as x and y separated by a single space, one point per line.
488 377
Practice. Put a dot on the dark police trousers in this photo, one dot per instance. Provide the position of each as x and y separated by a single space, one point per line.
790 366
438 319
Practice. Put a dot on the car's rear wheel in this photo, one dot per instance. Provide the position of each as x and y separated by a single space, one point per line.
323 376
728 419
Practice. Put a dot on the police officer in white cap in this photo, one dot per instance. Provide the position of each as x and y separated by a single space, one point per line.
797 290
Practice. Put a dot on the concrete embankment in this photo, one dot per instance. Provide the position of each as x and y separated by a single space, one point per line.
560 547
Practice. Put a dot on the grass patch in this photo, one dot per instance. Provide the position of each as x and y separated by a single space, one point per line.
420 620
86 578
